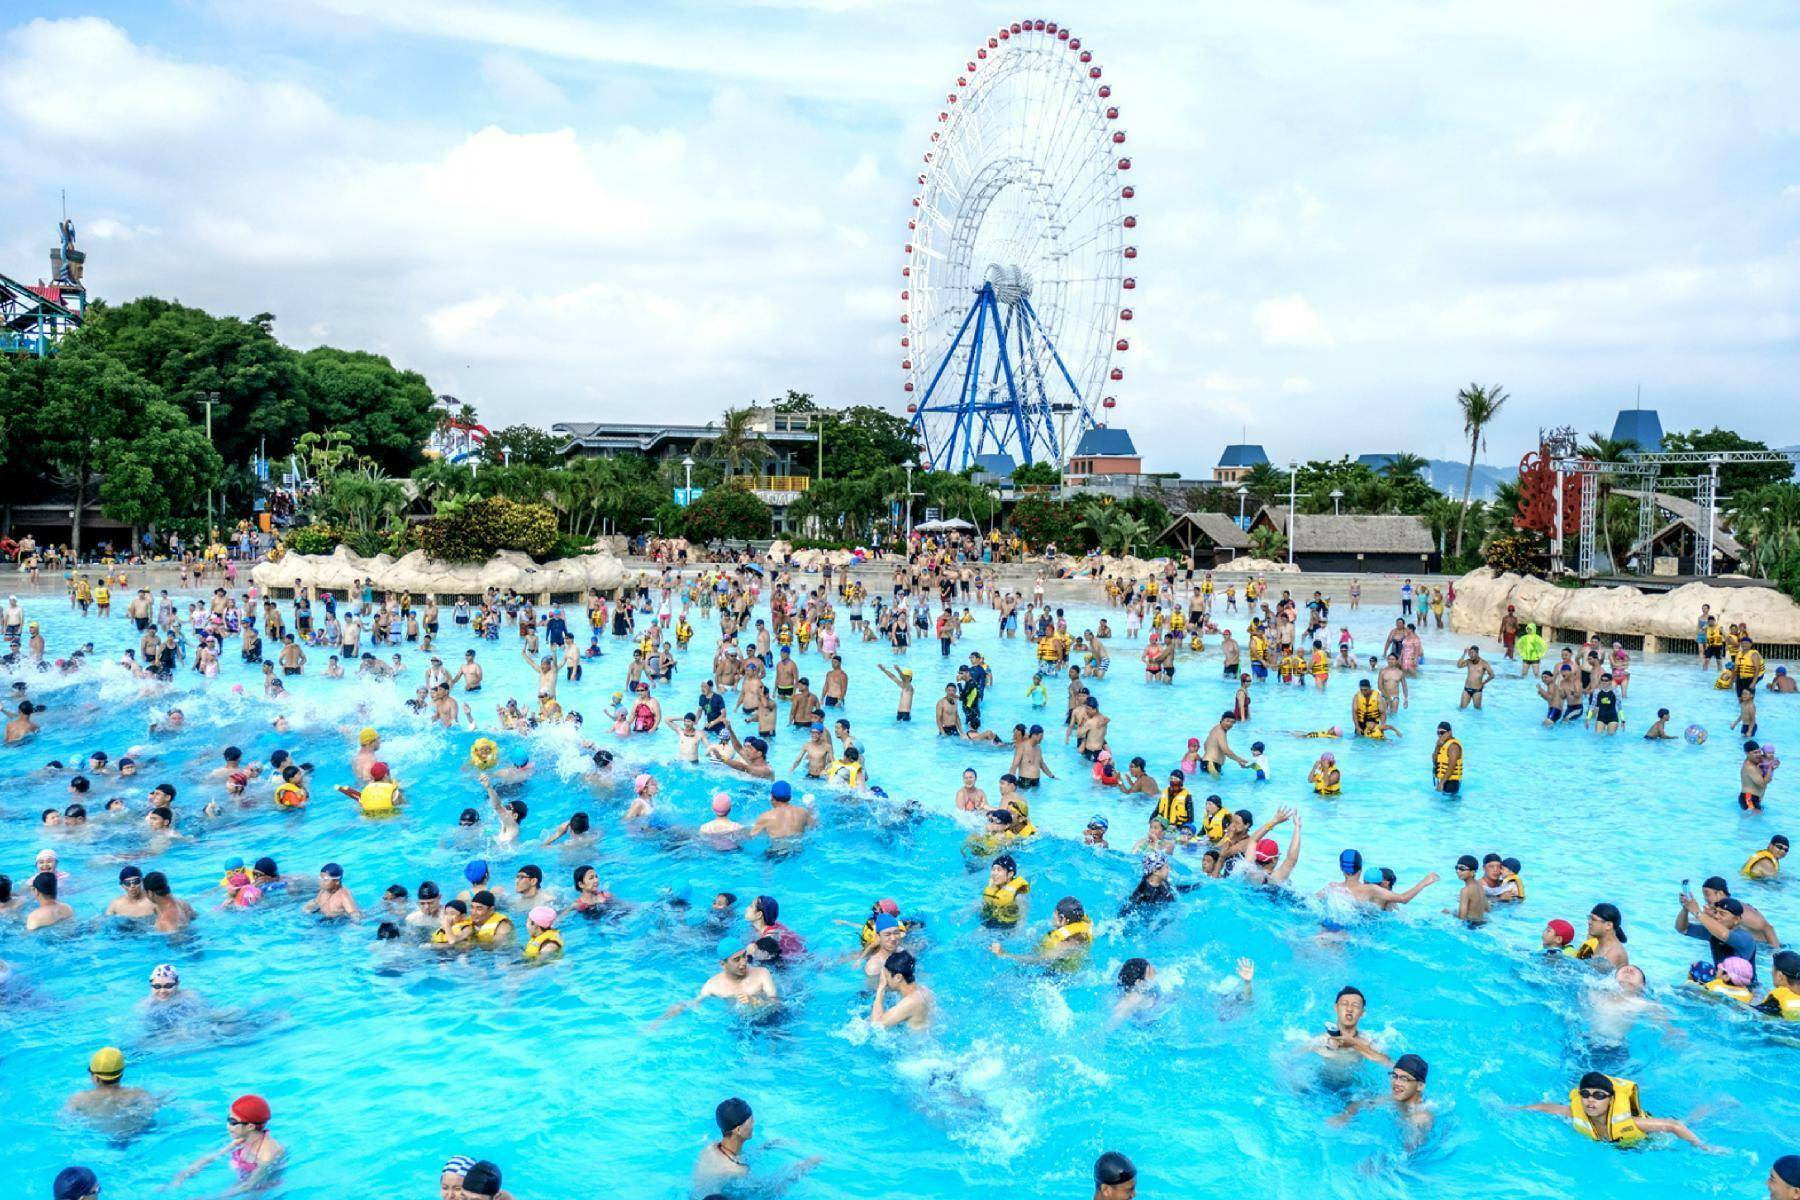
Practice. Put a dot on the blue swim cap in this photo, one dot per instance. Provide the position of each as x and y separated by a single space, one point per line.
1098 822
333 870
72 1183
521 759
884 922
729 947
1330 926
782 790
1350 862
234 864
476 871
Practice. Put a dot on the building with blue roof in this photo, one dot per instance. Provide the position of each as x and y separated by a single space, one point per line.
1103 450
1236 461
1640 426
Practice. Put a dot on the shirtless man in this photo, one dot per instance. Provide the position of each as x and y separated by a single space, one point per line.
469 675
1343 1037
1752 920
545 670
1028 765
737 980
899 973
49 911
1472 901
1218 749
132 902
1353 885
334 899
21 726
1406 1095
801 707
1751 781
749 756
816 752
1478 673
948 713
1090 724
837 683
171 913
1395 694
903 680
110 1099
782 819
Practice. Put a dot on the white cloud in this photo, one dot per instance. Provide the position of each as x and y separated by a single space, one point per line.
1289 321
517 84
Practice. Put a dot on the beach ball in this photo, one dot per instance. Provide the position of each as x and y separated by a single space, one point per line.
1696 735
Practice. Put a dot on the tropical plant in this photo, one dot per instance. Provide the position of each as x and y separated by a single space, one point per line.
360 500
1479 405
1520 553
1266 482
736 442
324 451
1767 521
482 528
1268 543
727 514
1405 465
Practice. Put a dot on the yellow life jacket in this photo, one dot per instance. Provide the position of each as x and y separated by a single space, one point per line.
377 798
1002 902
1512 877
441 938
1714 635
1749 665
847 773
1327 789
1074 930
683 632
1787 1003
1321 663
1214 826
1177 622
289 795
1046 650
1621 1119
1366 710
1206 587
1763 855
549 940
784 636
1583 949
1175 808
1723 682
1259 647
1290 667
1446 770
1724 987
490 928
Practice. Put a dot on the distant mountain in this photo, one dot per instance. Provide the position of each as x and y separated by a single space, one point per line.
1447 477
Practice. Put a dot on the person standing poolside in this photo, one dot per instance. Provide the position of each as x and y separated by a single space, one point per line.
253 1152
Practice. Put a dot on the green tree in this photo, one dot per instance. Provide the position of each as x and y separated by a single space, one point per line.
387 413
727 514
1041 521
1267 483
1734 478
736 443
1618 524
1037 474
1268 543
1479 406
1406 465
361 500
523 445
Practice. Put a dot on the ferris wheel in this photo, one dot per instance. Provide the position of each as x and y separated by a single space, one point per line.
1017 255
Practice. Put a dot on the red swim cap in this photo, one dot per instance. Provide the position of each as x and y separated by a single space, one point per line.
378 771
253 1109
1267 849
1564 931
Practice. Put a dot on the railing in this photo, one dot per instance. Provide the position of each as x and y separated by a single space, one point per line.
776 483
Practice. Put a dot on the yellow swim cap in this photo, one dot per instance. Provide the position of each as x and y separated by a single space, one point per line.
108 1063
368 736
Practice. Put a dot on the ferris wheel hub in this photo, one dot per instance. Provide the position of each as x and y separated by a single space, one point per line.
1010 284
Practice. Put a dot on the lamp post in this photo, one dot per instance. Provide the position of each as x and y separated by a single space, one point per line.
687 492
1335 497
1293 488
1242 493
909 496
210 399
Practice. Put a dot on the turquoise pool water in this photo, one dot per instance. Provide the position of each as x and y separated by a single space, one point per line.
382 1061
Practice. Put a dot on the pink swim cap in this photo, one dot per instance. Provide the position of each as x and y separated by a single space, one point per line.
245 896
1737 970
640 783
721 804
543 916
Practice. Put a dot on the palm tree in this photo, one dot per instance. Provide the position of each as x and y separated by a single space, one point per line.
736 443
1617 526
1266 482
1479 405
1405 465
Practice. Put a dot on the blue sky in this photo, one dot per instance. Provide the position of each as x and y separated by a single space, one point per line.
568 211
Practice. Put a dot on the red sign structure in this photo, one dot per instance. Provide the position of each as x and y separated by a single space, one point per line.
1537 494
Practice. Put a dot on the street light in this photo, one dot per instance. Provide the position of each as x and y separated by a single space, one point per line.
687 494
909 496
1242 493
1335 497
1293 487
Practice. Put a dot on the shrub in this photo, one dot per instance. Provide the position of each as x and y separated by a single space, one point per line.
1514 552
727 513
482 528
312 539
1041 521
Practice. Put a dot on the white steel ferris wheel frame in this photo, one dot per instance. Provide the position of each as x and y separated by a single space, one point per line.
1027 172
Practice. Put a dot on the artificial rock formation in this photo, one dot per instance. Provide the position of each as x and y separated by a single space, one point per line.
421 575
1482 599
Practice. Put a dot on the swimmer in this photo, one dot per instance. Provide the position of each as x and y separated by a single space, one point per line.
1115 1178
737 980
783 819
1605 941
1472 901
49 911
1071 934
511 812
1406 1094
1350 863
1659 728
899 973
1343 1035
748 756
543 940
1766 863
722 828
131 902
1606 1109
969 797
124 1110
253 1153
333 899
